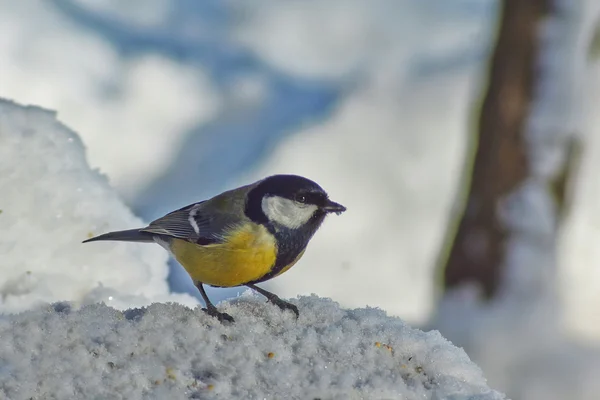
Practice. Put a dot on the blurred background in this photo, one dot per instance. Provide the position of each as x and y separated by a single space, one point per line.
462 135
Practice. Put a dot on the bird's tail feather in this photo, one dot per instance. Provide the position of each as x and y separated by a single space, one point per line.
131 235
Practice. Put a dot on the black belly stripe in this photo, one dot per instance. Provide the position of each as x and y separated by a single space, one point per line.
290 243
286 254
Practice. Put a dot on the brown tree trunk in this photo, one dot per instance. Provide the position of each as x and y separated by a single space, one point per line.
500 164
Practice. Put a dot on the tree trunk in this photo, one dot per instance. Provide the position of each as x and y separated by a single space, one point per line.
501 163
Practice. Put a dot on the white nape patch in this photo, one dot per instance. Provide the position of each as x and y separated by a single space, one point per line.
286 212
192 220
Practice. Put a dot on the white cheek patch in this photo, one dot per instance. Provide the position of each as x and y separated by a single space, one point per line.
288 213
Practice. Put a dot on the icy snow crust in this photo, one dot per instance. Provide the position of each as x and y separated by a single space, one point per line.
169 351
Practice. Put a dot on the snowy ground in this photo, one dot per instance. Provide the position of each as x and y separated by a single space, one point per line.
168 351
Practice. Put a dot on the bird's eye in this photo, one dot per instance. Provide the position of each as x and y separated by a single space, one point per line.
300 198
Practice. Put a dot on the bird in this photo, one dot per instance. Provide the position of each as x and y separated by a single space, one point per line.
241 237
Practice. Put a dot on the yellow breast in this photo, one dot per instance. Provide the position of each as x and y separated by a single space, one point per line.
247 254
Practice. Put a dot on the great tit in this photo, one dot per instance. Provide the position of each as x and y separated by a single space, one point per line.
241 237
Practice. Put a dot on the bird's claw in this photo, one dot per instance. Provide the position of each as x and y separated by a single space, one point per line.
284 305
213 312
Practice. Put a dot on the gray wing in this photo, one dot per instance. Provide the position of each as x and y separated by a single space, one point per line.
205 222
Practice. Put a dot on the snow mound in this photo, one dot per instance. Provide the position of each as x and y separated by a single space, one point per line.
50 201
169 351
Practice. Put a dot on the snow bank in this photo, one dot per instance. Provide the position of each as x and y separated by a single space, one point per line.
50 200
169 351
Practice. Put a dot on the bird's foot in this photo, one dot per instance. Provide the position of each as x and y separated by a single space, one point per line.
213 312
284 305
273 298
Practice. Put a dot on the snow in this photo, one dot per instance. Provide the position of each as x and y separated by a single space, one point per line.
391 151
171 351
202 97
162 92
580 275
522 338
104 95
51 201
61 340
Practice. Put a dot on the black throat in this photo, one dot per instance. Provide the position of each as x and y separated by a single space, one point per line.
290 242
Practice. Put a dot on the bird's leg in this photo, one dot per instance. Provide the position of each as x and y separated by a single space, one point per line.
273 298
210 307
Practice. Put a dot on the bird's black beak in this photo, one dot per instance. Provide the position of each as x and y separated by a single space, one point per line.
333 207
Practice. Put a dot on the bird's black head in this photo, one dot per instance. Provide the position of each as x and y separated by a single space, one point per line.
289 201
